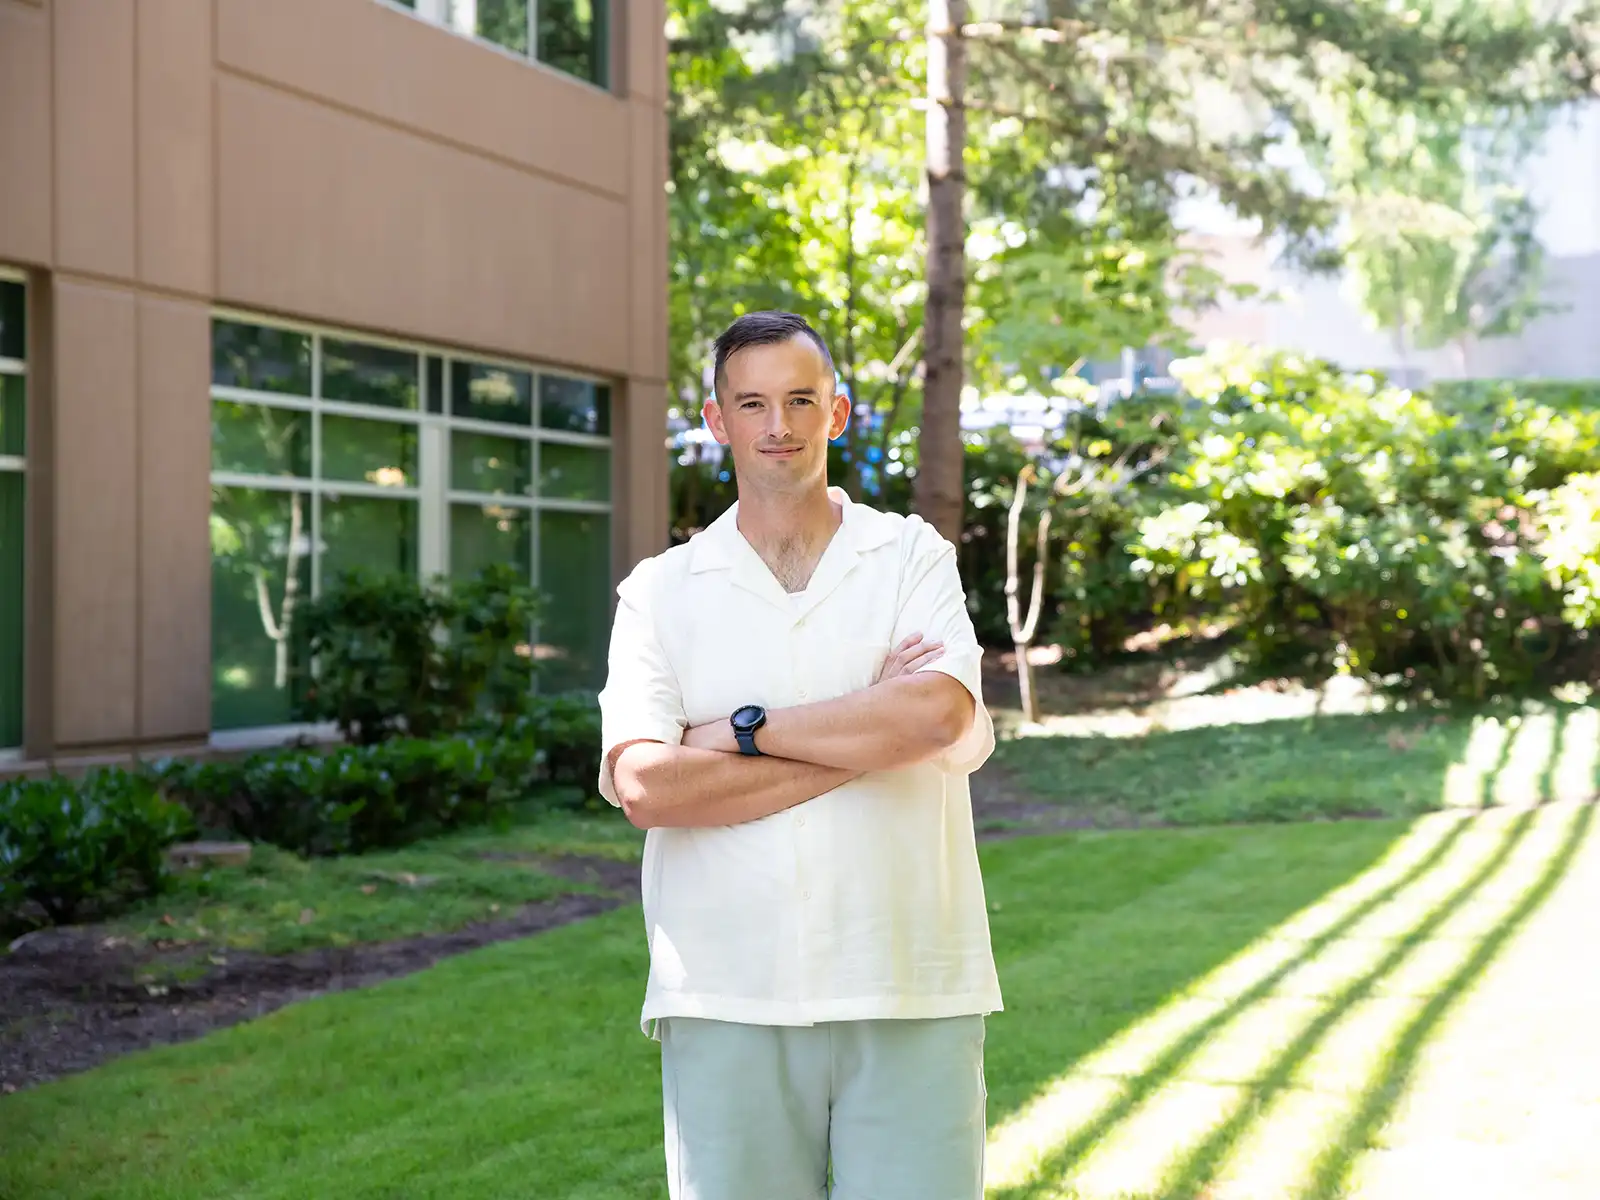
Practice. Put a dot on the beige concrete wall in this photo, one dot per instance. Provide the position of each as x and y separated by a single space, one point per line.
331 160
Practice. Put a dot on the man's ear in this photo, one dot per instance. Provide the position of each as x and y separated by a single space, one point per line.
711 414
841 416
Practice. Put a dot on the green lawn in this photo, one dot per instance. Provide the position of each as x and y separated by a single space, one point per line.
280 903
1173 999
1385 764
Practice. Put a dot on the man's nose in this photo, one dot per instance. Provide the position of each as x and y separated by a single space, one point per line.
778 422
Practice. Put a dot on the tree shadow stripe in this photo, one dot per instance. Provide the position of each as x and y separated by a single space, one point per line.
1198 1168
1182 1052
1381 1097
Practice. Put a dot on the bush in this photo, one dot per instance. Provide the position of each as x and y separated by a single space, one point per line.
566 728
1562 395
1352 526
395 656
72 846
350 799
1568 522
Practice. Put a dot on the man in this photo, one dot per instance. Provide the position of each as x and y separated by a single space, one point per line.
792 711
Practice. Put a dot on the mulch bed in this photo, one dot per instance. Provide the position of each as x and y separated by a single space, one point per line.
73 998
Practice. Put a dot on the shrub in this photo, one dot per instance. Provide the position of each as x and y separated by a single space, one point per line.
395 656
1562 395
566 728
1568 523
71 846
1353 526
350 799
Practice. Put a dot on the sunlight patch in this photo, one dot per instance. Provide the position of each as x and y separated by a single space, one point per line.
1577 771
1465 782
1241 1086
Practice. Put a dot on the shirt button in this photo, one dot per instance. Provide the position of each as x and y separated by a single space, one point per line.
799 820
806 895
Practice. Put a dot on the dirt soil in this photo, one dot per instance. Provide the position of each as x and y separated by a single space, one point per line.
73 998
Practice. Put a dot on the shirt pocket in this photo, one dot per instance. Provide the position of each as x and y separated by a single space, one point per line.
850 664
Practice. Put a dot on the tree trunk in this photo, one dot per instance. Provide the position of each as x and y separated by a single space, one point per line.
939 492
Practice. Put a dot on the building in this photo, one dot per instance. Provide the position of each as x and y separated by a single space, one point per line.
1317 316
297 286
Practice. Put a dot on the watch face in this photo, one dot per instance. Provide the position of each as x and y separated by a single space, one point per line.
747 717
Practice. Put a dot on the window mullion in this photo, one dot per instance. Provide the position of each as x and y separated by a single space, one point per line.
433 550
316 465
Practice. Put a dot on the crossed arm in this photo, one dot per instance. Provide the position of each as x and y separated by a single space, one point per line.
903 719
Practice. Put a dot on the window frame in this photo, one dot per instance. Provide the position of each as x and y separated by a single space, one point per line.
434 492
17 464
436 15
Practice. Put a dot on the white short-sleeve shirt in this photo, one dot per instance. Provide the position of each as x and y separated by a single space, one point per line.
865 902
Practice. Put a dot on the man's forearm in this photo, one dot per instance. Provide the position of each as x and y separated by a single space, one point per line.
681 786
898 723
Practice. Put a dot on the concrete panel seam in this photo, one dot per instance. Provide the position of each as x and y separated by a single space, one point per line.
117 283
424 134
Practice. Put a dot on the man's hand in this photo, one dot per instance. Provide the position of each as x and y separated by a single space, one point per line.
909 656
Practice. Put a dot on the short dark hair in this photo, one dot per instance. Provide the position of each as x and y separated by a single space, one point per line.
763 329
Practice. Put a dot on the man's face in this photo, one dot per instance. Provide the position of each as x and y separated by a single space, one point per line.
776 411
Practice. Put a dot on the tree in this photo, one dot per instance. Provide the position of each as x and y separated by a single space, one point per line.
1443 244
1064 121
794 186
939 492
1159 99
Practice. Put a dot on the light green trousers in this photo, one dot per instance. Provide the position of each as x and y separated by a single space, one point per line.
761 1112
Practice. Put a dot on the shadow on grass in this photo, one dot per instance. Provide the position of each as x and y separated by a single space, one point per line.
1173 1060
1378 1103
1310 768
1199 1167
1552 759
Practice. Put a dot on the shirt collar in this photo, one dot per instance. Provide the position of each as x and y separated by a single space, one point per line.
720 546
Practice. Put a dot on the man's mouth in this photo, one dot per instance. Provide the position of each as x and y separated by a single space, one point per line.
782 452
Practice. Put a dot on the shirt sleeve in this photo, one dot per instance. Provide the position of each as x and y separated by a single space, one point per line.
641 701
934 604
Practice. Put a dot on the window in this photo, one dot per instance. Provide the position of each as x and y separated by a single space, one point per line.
333 452
570 35
13 461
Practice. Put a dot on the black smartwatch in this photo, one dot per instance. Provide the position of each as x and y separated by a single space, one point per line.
745 722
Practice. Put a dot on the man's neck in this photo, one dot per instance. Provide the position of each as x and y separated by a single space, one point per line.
808 517
789 531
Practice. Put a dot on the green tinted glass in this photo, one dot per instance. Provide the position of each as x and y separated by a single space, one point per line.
13 320
11 592
13 414
361 533
260 575
574 405
498 466
574 472
504 22
575 579
377 452
358 373
489 534
260 358
258 440
573 36
488 393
